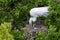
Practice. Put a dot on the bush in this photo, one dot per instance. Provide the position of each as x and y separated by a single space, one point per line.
17 34
18 10
49 36
41 36
53 22
54 16
5 29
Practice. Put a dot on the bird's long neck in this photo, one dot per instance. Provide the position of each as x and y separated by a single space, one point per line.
32 20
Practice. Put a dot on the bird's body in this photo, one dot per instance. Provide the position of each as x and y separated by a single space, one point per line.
36 12
40 11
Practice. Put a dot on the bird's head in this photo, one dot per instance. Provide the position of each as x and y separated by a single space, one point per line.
32 20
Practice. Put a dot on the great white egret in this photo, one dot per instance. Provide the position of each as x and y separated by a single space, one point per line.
36 12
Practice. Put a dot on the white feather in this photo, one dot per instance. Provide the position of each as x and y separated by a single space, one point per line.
32 19
36 12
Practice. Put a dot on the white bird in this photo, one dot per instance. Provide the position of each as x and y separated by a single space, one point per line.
36 12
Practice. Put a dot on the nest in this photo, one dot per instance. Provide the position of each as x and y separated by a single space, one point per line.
31 30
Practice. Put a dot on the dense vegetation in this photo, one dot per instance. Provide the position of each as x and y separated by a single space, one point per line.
5 31
16 12
53 23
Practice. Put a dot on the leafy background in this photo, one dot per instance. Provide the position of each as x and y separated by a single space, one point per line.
16 12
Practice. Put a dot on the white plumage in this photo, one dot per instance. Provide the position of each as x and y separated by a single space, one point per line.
32 19
36 12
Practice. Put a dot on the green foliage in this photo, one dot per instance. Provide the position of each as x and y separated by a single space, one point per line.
5 28
40 36
53 22
49 36
18 10
54 16
17 34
